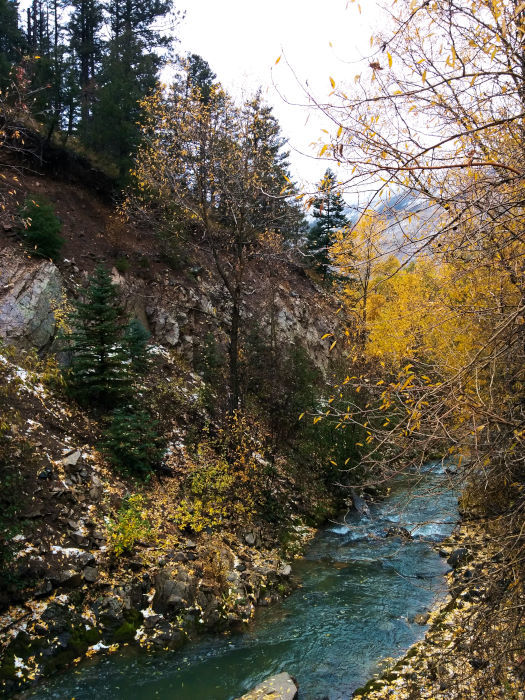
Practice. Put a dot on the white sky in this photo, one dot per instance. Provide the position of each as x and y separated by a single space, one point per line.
242 39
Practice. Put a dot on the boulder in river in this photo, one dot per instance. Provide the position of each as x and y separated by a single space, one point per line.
359 503
279 687
458 557
398 531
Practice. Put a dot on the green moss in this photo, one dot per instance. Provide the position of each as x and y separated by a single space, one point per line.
126 631
368 688
7 669
82 638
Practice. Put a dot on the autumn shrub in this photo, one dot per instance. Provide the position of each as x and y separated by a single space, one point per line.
216 563
43 370
130 526
226 481
42 227
210 501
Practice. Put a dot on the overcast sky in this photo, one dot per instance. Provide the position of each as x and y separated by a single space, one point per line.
241 40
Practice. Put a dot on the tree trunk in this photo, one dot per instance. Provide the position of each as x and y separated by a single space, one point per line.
233 350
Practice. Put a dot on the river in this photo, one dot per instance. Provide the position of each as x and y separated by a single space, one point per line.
359 594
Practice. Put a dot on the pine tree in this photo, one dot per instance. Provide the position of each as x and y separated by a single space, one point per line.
200 75
100 372
274 208
12 44
129 72
131 441
328 212
42 228
86 45
135 341
44 29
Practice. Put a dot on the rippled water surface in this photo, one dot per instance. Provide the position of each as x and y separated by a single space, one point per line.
360 592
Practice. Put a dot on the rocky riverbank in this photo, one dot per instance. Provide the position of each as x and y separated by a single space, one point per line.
100 561
454 661
190 590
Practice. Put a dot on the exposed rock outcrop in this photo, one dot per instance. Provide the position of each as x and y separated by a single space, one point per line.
29 292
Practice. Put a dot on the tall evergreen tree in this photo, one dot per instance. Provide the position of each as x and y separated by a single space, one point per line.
12 42
85 41
45 47
200 75
99 372
129 71
108 357
329 215
274 207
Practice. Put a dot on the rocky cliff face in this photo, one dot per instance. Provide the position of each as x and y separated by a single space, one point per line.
30 290
179 303
180 315
177 314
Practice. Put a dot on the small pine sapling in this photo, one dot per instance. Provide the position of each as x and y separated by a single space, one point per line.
41 231
131 441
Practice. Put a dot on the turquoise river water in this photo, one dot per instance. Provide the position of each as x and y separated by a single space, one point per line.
356 604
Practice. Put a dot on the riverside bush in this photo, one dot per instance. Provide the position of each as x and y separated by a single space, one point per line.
130 526
227 480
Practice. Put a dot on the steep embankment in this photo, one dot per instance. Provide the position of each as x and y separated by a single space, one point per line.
91 558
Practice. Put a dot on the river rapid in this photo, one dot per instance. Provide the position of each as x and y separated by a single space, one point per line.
360 592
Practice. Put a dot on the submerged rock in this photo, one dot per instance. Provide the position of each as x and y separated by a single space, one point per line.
422 618
279 687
